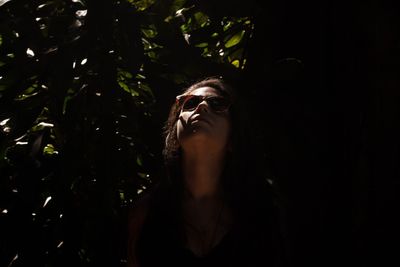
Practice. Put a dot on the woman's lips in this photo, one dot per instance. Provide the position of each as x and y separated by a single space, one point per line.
199 118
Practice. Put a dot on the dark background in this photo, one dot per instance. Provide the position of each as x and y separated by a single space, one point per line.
334 126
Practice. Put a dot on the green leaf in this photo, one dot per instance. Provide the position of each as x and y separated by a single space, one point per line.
42 125
228 25
178 4
139 160
145 88
128 89
140 77
142 5
152 55
65 104
143 175
202 45
29 92
201 18
122 196
49 150
235 39
149 33
124 74
236 63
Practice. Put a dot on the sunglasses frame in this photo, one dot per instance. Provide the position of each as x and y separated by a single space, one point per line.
182 99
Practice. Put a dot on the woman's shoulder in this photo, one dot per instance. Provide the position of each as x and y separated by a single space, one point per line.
140 207
138 214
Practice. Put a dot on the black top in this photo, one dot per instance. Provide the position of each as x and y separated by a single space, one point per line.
230 251
160 244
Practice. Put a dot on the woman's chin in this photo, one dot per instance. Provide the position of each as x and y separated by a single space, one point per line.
197 135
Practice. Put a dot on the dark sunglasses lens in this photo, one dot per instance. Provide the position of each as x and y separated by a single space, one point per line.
191 103
218 103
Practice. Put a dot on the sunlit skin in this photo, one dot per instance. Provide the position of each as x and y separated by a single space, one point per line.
204 139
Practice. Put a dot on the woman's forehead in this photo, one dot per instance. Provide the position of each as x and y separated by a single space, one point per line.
203 91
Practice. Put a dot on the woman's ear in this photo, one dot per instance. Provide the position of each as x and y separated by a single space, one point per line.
166 140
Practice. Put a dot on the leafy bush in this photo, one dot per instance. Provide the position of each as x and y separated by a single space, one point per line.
84 88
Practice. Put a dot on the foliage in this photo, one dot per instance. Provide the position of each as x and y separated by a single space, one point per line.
82 84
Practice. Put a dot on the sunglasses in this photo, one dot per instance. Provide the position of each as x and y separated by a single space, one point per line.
216 103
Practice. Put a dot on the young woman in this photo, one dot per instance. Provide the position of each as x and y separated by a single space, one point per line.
214 207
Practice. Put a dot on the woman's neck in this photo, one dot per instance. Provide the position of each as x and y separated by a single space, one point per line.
201 174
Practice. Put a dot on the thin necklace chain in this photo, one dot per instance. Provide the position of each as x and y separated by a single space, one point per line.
204 245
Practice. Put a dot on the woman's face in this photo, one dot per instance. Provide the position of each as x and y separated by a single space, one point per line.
200 124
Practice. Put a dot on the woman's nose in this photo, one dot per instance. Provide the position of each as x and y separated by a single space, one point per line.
203 106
